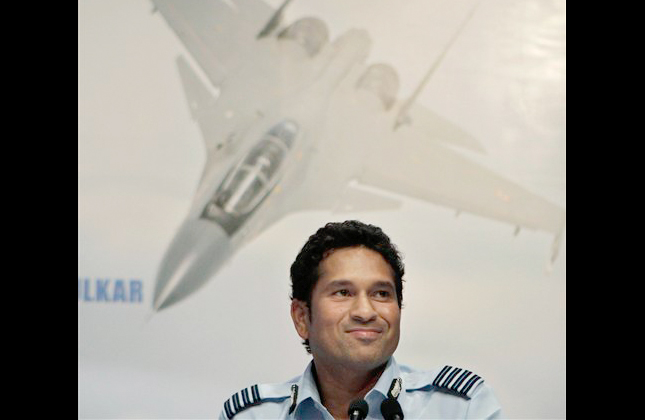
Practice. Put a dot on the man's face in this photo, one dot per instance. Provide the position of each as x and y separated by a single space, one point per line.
355 317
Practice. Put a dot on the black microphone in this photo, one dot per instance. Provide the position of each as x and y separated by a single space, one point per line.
358 410
391 409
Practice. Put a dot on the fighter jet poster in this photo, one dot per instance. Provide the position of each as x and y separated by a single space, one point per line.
215 136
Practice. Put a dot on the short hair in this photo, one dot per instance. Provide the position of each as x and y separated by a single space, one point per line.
305 269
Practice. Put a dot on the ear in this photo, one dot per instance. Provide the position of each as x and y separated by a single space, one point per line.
300 316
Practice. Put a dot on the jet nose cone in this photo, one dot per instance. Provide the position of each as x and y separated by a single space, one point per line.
198 250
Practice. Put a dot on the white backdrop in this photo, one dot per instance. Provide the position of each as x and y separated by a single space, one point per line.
475 295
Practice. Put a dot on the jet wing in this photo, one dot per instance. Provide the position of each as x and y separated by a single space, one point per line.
406 162
417 159
203 25
438 128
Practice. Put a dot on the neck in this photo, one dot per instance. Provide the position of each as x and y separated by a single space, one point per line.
338 386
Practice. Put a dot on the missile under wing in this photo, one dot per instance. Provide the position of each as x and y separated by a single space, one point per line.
297 118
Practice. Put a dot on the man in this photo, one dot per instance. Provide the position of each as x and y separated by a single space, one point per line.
346 306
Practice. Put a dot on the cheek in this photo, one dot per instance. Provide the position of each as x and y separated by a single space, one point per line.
329 315
335 312
392 314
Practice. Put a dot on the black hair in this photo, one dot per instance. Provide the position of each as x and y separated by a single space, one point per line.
305 269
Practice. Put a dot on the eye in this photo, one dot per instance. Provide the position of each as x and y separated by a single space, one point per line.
383 294
341 292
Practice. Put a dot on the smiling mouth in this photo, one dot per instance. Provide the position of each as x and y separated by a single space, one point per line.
365 333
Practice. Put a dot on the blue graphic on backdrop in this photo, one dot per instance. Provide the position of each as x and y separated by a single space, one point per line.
108 290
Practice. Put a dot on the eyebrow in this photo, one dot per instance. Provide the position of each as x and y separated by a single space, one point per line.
377 284
385 283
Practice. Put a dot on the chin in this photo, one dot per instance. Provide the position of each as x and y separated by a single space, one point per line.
369 360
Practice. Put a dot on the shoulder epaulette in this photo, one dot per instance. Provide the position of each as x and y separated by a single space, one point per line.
258 394
248 397
456 381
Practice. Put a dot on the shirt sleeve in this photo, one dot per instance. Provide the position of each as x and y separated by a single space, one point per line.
484 405
222 416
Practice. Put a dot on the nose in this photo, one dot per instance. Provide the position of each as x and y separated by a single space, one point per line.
362 309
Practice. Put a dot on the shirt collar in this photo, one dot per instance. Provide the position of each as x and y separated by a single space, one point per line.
307 385
385 381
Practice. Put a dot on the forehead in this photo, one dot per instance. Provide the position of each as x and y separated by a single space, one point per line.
353 264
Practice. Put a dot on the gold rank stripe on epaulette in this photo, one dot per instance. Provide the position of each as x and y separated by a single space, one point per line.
457 381
242 400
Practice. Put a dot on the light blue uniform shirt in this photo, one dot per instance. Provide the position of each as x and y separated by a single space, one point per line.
444 393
